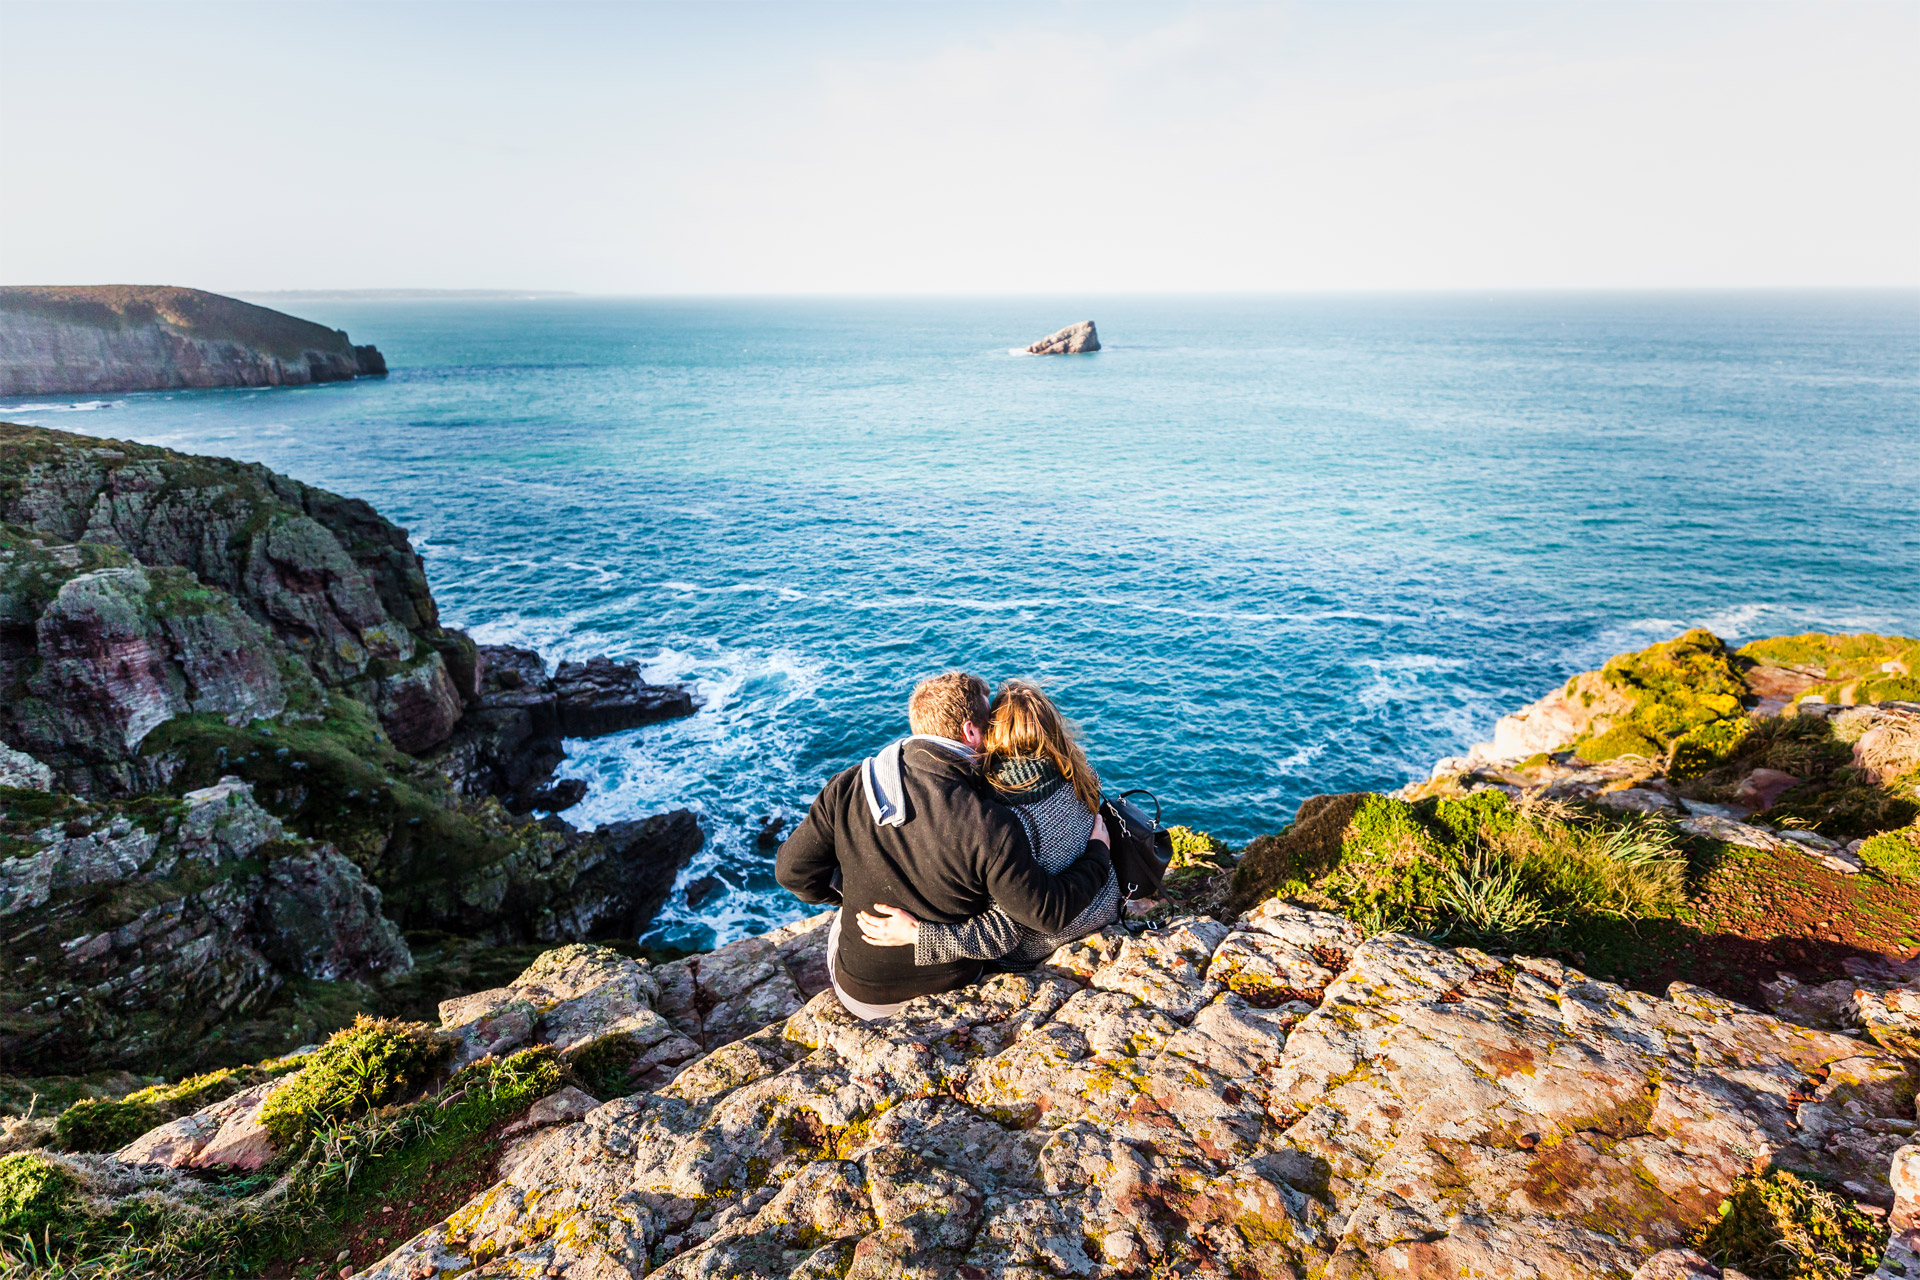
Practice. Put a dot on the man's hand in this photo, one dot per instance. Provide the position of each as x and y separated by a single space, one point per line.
1100 830
891 927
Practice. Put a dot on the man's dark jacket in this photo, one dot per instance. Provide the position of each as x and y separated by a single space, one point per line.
957 854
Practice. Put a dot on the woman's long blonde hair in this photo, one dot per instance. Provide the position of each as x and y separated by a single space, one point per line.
1024 722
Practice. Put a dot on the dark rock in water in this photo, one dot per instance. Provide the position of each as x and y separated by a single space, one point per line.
563 794
702 889
1074 340
627 870
770 832
601 696
509 742
106 338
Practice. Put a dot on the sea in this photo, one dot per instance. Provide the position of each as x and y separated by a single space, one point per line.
1257 547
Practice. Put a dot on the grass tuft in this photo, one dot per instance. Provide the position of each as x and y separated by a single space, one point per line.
1775 1226
364 1066
1482 869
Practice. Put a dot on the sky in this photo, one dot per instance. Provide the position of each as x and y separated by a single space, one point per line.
943 148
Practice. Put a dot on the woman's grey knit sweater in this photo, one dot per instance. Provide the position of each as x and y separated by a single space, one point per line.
1058 827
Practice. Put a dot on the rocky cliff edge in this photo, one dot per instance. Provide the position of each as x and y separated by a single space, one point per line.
79 339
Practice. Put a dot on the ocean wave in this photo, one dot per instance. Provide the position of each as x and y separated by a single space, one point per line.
734 763
72 406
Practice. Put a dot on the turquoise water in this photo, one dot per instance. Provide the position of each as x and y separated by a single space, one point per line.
1258 548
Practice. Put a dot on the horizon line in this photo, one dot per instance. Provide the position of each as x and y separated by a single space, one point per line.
510 294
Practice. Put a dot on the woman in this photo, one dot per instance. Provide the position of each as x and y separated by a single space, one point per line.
1034 765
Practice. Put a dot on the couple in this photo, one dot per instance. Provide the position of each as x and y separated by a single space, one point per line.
976 840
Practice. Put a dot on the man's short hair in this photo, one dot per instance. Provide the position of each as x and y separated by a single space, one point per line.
945 704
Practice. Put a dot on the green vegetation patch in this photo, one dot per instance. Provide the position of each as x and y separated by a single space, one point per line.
1481 869
109 1124
367 1065
1854 668
1895 854
1688 705
1832 656
1776 1226
241 1227
35 1194
1307 848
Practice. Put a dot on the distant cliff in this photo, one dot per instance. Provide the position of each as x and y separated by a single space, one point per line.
105 338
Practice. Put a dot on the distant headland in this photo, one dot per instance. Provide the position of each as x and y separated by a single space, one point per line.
61 339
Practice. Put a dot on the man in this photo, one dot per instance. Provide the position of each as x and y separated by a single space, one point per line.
914 827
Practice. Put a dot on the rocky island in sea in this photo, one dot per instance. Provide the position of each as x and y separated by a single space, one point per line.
80 339
299 984
1074 340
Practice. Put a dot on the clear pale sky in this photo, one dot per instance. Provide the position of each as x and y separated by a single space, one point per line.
943 148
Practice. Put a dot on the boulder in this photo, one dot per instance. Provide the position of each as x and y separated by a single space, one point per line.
589 1002
318 918
726 994
178 1144
622 873
1075 339
1759 789
119 651
241 1144
1902 1259
18 769
601 696
1127 1110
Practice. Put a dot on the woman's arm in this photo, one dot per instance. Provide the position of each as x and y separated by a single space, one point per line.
991 935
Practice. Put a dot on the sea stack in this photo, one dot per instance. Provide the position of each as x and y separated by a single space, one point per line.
67 339
1074 340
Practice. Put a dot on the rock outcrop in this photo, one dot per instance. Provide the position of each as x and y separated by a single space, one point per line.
1074 340
170 622
1278 1097
129 933
508 743
159 560
109 338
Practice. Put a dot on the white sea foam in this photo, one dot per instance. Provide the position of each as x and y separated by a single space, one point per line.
733 763
67 406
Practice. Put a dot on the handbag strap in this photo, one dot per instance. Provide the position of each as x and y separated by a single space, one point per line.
1142 791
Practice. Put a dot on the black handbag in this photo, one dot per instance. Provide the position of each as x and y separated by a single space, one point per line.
1142 848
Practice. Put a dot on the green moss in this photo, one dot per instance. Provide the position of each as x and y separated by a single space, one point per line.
34 1195
1687 705
1621 740
1895 854
1779 1227
1834 656
1194 848
367 1065
602 1065
108 1124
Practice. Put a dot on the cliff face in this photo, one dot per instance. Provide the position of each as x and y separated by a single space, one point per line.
108 338
170 624
230 550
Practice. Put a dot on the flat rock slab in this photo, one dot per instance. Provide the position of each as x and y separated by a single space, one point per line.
1126 1111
